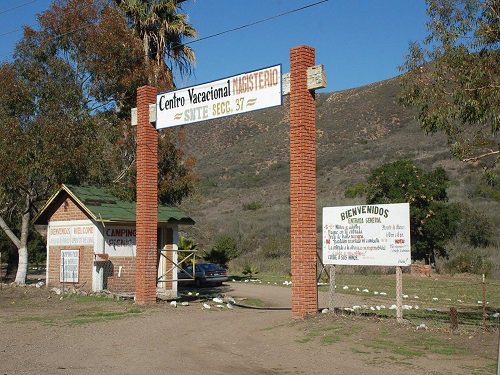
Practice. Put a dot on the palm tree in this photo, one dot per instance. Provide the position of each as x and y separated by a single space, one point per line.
162 30
186 244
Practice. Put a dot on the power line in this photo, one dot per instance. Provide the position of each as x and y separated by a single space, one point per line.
190 42
253 23
16 7
11 32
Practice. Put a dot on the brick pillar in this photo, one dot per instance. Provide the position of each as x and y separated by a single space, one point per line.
302 184
147 200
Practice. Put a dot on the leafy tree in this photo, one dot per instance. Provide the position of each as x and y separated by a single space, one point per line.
186 244
37 250
432 220
162 28
176 177
224 250
64 107
475 228
453 77
43 138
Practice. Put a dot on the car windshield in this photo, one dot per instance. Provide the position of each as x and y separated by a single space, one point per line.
188 269
209 266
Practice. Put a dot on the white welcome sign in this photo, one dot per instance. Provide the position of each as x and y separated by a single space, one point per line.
228 96
375 234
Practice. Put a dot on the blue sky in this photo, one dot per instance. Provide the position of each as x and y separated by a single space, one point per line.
358 41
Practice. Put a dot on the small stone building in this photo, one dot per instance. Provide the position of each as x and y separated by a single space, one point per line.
91 240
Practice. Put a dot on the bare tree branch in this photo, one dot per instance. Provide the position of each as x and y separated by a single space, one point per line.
123 172
9 233
476 158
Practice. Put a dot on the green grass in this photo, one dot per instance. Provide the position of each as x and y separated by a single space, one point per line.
328 334
254 302
329 339
413 345
97 316
447 289
385 345
463 293
80 318
92 298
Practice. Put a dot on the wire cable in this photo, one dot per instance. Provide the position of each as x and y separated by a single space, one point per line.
17 7
252 23
11 32
193 41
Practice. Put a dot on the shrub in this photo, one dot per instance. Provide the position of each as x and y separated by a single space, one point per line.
276 248
475 228
224 250
250 270
470 262
356 190
186 244
465 259
252 206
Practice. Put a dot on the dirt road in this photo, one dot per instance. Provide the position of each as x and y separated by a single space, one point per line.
41 335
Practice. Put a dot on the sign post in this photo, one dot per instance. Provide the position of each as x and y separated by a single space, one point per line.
368 235
303 184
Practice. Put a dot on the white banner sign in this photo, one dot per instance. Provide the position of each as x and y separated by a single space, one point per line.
71 235
120 241
376 235
229 96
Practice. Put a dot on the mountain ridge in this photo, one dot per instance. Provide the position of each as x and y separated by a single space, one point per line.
243 162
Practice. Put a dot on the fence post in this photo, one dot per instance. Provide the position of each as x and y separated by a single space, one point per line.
331 306
498 355
399 295
484 302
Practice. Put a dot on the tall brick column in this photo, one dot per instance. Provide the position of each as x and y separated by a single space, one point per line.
147 200
302 184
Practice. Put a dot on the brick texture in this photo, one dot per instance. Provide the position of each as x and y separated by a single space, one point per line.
117 281
147 200
68 210
84 267
302 184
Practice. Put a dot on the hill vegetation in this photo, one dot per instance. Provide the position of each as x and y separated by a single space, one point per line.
243 169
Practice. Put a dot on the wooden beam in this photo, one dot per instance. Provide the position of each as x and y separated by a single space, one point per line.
152 115
316 79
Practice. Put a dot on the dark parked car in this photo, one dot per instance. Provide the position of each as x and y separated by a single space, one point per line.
204 273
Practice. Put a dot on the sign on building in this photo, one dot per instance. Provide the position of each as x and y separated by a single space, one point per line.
70 261
120 241
229 96
376 235
71 235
